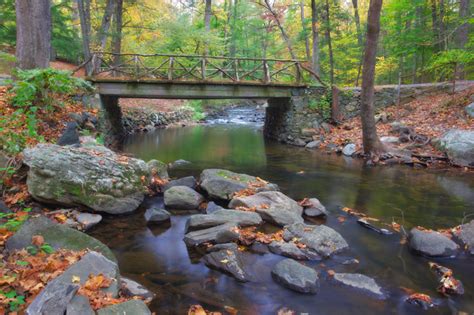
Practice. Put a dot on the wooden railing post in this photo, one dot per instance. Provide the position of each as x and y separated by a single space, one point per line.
266 72
203 68
236 69
298 72
170 69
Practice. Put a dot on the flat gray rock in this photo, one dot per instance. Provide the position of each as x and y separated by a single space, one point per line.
289 249
213 207
188 181
272 206
466 235
295 276
182 198
157 216
223 184
79 305
133 288
53 299
87 220
319 238
199 237
349 149
57 235
227 261
360 282
225 246
431 243
92 176
218 217
132 307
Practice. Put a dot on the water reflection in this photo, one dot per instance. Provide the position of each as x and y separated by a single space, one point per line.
158 258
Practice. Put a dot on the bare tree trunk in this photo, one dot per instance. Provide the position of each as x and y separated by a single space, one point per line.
305 33
442 25
315 35
105 25
371 141
285 36
328 39
360 41
233 47
207 24
463 32
117 35
84 7
33 33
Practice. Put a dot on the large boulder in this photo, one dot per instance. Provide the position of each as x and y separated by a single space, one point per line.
431 243
57 235
470 110
135 307
223 184
295 276
319 238
459 146
92 176
466 235
79 305
272 206
360 282
182 198
53 299
238 217
227 261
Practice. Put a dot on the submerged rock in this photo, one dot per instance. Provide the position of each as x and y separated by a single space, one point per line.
431 243
228 261
272 206
135 307
133 288
209 235
361 282
57 235
218 217
295 276
459 146
182 198
319 238
223 184
188 181
92 176
157 215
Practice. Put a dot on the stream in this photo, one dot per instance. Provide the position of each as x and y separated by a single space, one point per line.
158 258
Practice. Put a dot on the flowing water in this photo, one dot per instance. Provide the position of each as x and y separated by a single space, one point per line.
158 258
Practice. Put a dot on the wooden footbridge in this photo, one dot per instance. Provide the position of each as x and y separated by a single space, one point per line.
198 77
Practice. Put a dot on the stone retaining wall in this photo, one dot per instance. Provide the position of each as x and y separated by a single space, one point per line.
297 120
144 120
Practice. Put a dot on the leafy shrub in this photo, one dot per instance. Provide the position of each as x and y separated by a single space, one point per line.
322 104
41 87
447 62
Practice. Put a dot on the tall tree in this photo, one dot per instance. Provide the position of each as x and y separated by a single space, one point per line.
305 33
371 142
207 24
329 41
315 37
84 7
360 42
117 34
105 25
463 31
33 33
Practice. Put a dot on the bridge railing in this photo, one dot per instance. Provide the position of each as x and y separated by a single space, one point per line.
166 67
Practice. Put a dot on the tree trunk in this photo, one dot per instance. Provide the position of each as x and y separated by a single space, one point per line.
371 141
463 32
117 35
315 35
305 33
360 41
233 47
105 25
442 25
84 7
328 39
33 33
207 25
285 36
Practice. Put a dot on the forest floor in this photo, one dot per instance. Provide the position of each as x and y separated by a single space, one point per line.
429 116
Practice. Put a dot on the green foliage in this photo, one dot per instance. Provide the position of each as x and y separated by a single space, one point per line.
446 63
41 88
322 104
15 299
198 110
14 222
44 248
